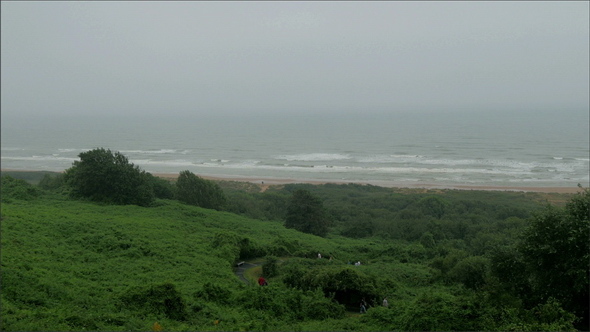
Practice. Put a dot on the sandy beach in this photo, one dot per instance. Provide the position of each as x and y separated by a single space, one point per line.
264 183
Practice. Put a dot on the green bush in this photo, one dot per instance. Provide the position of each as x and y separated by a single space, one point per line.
289 303
241 247
22 288
52 182
214 293
346 284
471 271
441 311
386 318
270 267
12 188
158 299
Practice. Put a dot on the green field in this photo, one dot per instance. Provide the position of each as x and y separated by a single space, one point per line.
73 265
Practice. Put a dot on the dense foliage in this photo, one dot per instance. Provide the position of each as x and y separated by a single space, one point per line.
103 176
556 249
194 190
446 260
17 189
306 214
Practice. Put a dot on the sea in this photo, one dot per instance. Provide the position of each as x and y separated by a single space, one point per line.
514 149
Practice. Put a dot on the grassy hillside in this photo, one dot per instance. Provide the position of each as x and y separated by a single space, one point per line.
66 263
72 265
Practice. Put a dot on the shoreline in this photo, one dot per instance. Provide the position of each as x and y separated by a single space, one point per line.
265 182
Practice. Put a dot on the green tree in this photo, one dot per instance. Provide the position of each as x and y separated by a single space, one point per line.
103 176
471 271
557 252
194 190
306 213
433 206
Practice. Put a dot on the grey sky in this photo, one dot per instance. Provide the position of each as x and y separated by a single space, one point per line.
278 57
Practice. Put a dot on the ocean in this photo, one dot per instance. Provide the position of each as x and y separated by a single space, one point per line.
447 149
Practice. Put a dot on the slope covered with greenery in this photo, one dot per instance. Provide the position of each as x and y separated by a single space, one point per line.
445 260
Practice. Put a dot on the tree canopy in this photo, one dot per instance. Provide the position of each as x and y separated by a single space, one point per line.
557 252
306 213
103 176
194 190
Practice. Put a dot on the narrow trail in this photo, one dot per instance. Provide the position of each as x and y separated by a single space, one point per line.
240 270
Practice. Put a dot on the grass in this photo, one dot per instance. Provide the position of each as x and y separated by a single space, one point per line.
64 259
72 265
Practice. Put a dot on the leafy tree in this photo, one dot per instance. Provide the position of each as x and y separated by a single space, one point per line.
471 271
433 206
427 240
306 213
557 252
508 265
103 176
194 190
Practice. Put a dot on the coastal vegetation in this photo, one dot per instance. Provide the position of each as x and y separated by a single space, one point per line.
444 259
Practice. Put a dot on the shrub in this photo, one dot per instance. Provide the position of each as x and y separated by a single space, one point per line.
214 293
439 311
270 267
290 304
231 244
155 299
471 271
12 188
52 182
347 285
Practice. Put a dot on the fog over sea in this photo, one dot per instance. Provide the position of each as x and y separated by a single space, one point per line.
479 149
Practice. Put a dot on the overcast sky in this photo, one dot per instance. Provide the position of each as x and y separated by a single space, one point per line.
293 57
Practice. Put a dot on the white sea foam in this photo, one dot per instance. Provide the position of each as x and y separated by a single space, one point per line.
161 151
379 149
394 158
167 163
39 158
314 157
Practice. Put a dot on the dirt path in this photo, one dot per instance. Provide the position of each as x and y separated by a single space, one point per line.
240 270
